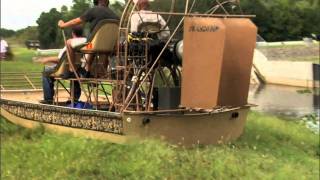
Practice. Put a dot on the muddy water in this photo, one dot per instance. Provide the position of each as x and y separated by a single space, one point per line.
283 100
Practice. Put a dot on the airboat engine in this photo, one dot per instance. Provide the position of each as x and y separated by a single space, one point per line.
217 59
179 50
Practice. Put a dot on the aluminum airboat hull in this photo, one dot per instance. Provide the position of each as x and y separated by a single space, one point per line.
178 127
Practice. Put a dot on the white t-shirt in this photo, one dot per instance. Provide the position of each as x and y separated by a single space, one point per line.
144 16
74 43
3 46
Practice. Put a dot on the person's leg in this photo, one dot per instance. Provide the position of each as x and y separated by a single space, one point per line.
71 53
85 70
48 88
155 99
77 90
3 55
104 58
89 62
46 60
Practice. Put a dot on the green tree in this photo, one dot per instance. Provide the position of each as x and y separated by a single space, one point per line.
29 33
79 7
117 7
280 20
48 30
65 13
6 32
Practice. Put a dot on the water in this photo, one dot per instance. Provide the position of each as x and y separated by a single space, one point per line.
284 101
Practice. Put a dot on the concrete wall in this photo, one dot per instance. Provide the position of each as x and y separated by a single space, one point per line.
284 72
307 42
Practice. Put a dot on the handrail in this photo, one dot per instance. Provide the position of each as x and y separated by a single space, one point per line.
20 80
32 72
29 81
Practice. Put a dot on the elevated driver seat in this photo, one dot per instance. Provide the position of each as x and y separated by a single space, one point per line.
149 28
101 44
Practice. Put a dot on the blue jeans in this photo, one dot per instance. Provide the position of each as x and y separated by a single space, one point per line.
48 88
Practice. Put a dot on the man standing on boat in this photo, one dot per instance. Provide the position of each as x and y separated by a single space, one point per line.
99 12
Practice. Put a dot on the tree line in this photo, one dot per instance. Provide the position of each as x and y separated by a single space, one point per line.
280 20
277 20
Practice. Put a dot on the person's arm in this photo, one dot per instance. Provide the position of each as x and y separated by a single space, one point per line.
165 34
85 17
47 60
163 22
70 23
134 23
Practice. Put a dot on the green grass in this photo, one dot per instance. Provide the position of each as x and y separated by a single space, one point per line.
21 62
270 148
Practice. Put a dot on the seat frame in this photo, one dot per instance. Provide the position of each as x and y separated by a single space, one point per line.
94 85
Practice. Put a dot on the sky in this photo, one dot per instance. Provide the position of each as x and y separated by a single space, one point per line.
18 14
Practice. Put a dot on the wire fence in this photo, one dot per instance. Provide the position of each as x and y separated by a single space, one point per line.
20 80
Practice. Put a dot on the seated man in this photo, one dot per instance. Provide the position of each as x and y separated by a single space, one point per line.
47 80
95 14
144 16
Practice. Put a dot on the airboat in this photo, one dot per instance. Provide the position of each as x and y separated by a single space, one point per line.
189 89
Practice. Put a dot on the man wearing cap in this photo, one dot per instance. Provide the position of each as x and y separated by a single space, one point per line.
145 15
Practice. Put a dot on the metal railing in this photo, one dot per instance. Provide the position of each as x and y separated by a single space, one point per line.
20 80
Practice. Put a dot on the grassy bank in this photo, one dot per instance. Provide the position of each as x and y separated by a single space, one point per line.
21 62
270 148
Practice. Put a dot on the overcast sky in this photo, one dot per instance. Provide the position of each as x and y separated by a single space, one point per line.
18 14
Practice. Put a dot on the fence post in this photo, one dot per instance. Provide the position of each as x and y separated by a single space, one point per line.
29 81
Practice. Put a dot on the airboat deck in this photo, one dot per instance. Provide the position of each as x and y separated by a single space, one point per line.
185 127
